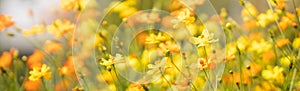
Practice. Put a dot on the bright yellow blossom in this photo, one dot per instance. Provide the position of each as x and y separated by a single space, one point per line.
153 39
273 74
296 43
40 72
266 18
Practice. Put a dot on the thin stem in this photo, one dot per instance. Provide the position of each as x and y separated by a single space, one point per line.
44 84
293 78
294 4
169 83
193 85
210 84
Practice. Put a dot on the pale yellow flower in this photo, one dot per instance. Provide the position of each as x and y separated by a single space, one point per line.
59 28
186 17
36 29
204 39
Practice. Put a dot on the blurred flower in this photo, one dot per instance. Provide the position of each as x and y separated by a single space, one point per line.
169 46
186 17
77 88
125 8
204 39
40 72
265 18
5 21
110 60
51 46
242 43
286 20
235 78
32 85
206 63
59 28
248 12
253 70
268 56
154 39
230 51
285 61
273 74
280 4
73 4
36 29
148 17
68 68
266 86
5 59
281 42
35 59
259 46
135 87
296 43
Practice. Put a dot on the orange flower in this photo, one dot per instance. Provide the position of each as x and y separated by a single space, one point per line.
35 59
268 56
5 21
255 36
32 85
59 28
5 59
235 78
286 20
51 46
68 68
253 70
250 24
280 4
282 42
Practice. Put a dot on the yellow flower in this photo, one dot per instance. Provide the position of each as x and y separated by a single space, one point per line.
108 62
40 72
242 43
36 29
77 88
285 61
204 39
273 74
59 28
265 18
5 21
296 43
153 39
73 4
259 46
186 17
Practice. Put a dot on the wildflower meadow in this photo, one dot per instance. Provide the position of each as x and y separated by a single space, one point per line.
149 45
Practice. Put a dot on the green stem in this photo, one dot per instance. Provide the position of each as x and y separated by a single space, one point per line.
44 84
298 19
193 85
210 84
